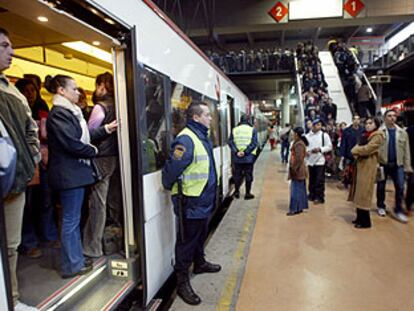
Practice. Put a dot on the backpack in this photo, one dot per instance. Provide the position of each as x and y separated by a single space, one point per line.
8 161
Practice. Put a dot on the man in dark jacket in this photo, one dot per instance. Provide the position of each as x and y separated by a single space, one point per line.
191 164
243 145
16 117
350 137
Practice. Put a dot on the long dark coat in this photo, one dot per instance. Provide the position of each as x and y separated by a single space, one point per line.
366 156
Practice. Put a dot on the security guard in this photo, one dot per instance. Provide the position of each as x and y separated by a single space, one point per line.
191 169
243 144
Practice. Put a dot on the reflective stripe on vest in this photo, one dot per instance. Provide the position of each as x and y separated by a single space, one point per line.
195 176
243 136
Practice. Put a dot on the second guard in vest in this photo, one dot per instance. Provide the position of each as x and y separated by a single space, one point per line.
243 144
191 176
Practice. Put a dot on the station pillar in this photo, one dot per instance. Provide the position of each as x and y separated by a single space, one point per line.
285 104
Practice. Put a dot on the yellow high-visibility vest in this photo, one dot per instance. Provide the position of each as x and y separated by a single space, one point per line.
195 176
242 137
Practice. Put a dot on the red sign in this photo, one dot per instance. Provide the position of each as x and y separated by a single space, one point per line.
278 12
353 7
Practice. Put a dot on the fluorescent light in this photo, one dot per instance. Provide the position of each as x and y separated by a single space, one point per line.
369 29
90 50
42 19
96 43
94 11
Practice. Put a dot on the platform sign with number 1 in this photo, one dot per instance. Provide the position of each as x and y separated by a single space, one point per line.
354 8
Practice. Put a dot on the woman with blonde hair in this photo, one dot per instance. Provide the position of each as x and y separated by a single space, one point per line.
366 155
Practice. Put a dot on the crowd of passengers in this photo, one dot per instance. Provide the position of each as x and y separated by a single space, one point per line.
355 86
64 173
361 154
254 60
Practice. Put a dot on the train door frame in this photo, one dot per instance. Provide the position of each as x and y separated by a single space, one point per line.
124 57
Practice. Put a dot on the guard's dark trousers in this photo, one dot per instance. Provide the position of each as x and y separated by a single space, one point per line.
243 170
192 248
317 182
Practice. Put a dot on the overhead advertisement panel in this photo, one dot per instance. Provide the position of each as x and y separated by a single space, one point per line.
314 9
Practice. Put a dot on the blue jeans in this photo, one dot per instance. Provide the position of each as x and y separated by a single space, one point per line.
298 196
397 175
285 150
48 228
71 255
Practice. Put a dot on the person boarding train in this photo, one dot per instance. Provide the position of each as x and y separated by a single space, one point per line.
191 176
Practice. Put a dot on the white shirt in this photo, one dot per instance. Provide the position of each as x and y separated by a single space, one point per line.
315 141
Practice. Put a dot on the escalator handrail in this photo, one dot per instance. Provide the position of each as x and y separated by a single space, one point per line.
299 90
364 76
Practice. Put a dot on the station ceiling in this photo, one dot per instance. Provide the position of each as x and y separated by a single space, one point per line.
232 24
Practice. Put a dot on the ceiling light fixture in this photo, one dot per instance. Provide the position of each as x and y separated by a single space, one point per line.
109 21
90 50
42 19
96 43
369 29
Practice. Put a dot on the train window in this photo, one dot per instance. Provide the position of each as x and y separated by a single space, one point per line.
155 139
181 98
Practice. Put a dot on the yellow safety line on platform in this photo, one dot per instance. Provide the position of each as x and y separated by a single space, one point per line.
231 282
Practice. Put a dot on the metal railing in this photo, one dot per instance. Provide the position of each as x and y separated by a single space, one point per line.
301 109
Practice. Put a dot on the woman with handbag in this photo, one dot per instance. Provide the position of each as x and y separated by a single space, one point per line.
70 155
298 173
366 155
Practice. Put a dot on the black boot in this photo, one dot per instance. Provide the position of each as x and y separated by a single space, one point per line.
364 221
206 267
248 195
185 291
237 193
358 217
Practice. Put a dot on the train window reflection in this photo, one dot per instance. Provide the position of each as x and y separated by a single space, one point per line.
155 138
181 98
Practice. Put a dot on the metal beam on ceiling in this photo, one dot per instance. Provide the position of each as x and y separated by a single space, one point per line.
250 39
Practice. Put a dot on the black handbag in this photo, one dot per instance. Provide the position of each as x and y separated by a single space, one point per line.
380 174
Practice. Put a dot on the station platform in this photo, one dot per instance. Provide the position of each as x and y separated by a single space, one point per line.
313 261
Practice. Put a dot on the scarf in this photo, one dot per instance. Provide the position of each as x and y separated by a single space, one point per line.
60 101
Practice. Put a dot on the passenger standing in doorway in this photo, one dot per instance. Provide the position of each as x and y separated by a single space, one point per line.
366 155
17 120
30 239
243 145
191 163
298 173
285 138
395 158
319 144
103 113
70 167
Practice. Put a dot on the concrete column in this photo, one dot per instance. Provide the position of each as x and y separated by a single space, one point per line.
285 104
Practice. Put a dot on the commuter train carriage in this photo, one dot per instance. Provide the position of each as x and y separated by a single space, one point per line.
158 71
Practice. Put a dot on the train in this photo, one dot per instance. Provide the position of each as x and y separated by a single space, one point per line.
157 71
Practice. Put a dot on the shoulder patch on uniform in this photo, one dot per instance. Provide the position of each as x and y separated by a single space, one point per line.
179 151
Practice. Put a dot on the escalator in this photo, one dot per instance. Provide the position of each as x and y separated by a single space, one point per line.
345 81
335 87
